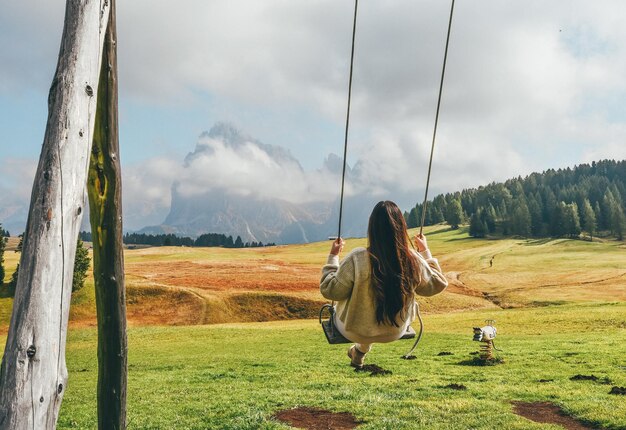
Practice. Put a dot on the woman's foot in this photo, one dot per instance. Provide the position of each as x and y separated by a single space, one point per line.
357 358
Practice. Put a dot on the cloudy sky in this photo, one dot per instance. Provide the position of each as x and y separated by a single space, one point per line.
530 85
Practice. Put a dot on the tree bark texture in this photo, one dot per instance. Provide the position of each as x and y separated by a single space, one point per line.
105 209
33 376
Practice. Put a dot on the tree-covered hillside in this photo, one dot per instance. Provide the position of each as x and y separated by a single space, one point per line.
557 203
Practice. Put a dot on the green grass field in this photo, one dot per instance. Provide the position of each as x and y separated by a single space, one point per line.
560 307
235 376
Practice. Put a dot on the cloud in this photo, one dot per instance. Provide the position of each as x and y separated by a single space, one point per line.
229 161
34 31
146 191
15 188
529 85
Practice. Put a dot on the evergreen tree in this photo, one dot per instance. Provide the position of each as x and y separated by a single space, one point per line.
618 221
439 206
477 227
454 213
608 202
558 227
81 265
490 219
598 213
468 202
572 221
437 215
238 242
549 207
617 195
410 218
516 189
3 242
536 217
85 236
613 214
588 219
13 282
416 214
406 215
521 221
566 221
229 243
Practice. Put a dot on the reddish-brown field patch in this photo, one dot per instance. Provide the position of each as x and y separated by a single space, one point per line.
317 419
156 305
251 275
549 413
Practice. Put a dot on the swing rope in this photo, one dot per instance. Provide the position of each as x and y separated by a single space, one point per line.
430 162
432 147
408 355
345 142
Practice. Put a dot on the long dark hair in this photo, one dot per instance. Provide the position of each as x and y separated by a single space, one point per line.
395 269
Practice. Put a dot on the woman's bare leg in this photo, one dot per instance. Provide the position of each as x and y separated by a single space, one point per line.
364 347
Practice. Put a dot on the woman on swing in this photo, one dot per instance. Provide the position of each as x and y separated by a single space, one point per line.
375 288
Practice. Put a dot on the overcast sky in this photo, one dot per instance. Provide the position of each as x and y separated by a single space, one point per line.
530 85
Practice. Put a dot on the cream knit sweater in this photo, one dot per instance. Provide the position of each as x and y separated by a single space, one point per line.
349 285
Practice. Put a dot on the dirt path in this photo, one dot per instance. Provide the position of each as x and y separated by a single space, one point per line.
566 284
457 286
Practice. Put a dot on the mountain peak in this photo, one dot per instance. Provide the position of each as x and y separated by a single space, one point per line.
227 133
334 164
235 139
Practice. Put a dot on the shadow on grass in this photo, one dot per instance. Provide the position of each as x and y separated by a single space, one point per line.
545 303
374 370
6 292
463 239
546 240
537 242
477 361
442 230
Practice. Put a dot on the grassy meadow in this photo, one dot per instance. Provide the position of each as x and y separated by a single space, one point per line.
235 376
204 353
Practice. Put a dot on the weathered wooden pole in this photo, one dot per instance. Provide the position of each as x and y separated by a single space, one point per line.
33 376
105 210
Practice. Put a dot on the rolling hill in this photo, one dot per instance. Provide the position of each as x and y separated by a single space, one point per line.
177 285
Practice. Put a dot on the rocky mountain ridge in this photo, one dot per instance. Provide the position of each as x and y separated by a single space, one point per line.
254 217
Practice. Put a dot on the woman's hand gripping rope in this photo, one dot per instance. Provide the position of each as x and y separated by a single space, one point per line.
420 242
337 246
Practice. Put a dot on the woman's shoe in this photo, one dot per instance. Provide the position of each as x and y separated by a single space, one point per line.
357 358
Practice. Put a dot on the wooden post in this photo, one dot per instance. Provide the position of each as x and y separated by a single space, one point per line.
105 209
33 376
